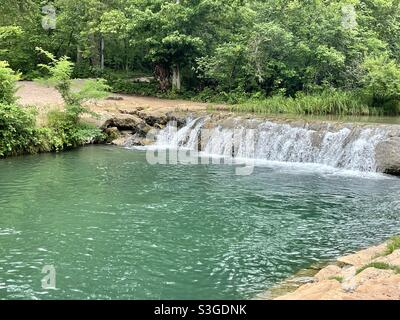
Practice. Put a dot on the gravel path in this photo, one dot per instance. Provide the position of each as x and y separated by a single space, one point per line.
31 93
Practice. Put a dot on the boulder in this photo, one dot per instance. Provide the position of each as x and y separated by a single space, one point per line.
328 272
372 274
112 133
137 140
362 257
387 155
152 120
391 259
323 290
180 121
124 122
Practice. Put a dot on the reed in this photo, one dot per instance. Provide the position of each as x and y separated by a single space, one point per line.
324 103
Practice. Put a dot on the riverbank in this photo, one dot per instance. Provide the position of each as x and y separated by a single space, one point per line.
45 98
369 274
127 120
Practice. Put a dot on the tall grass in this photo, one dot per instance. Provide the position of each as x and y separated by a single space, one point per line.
393 244
324 103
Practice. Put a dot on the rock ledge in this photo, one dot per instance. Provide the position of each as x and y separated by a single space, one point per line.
370 274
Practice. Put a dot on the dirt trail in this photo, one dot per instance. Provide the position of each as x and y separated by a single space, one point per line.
44 97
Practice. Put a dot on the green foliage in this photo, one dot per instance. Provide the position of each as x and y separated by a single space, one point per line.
60 73
323 103
130 87
19 134
7 36
7 32
92 89
393 244
231 49
17 129
379 265
226 66
70 132
382 82
8 83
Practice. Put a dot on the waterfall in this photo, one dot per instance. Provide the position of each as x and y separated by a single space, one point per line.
349 147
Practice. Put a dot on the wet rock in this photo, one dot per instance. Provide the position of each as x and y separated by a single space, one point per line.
133 140
121 140
179 121
143 129
159 119
387 155
112 133
159 126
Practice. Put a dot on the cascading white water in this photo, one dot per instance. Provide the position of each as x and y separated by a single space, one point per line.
349 148
185 137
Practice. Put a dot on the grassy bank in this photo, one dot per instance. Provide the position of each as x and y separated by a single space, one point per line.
20 134
324 102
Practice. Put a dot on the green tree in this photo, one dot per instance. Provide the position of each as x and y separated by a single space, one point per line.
382 82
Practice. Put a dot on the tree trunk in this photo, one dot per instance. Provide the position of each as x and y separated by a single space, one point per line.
126 56
78 54
163 77
176 78
102 53
95 51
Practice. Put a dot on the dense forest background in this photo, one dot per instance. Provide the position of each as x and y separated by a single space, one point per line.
217 50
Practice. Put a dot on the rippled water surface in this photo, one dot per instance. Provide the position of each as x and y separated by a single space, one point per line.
114 226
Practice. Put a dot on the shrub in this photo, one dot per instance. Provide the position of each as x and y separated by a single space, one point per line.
19 134
17 130
8 80
60 73
69 131
82 70
129 87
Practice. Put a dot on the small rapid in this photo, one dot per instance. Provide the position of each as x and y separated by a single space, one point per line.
346 147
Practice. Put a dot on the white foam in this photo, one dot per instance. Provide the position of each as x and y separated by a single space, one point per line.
329 151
